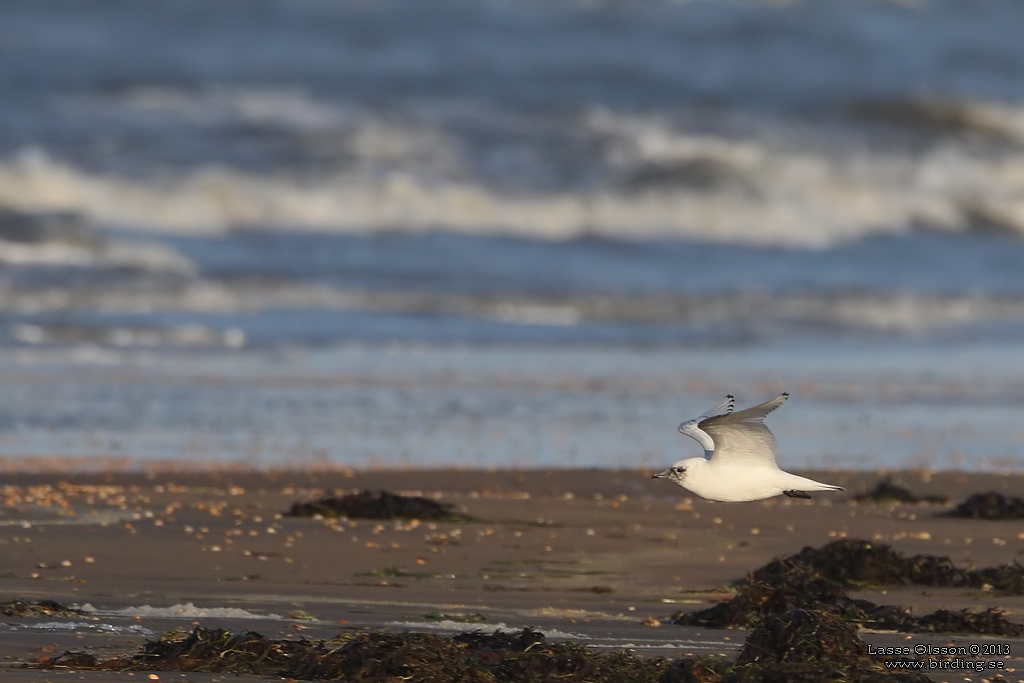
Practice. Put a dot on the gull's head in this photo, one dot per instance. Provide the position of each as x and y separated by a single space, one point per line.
677 473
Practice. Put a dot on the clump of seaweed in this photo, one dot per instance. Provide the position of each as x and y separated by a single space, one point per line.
991 505
379 505
989 622
816 579
803 636
819 647
887 492
696 670
854 562
804 645
787 587
474 657
41 608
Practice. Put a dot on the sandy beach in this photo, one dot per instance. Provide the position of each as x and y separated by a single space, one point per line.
260 253
601 557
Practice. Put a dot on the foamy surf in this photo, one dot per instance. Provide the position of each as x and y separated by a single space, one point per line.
185 610
741 185
61 517
77 627
660 182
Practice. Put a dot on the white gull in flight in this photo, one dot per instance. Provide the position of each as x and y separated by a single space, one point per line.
739 457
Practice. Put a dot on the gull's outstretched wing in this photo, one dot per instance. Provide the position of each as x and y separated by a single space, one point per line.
692 428
743 436
723 408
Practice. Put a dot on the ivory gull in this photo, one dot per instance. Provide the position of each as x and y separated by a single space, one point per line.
739 457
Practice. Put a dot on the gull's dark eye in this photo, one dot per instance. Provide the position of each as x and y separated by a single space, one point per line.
678 470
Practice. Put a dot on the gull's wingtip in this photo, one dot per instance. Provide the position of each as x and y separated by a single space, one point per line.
725 407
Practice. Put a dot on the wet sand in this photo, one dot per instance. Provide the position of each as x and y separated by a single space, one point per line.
595 555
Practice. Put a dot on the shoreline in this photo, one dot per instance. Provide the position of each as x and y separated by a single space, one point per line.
603 554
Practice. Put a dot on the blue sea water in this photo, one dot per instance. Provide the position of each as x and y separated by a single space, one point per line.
510 233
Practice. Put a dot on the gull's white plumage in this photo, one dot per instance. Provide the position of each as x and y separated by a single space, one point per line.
739 457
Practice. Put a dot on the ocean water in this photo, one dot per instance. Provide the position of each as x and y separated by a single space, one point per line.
509 232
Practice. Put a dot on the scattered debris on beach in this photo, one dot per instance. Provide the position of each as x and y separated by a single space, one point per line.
816 580
301 615
379 505
991 505
40 608
887 492
803 646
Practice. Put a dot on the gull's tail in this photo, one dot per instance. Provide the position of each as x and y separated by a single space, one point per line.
792 482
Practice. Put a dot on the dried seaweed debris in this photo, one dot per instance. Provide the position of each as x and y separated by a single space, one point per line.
854 562
373 656
799 647
816 579
40 608
991 505
379 505
887 492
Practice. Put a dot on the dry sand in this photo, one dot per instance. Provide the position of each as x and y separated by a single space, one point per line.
596 555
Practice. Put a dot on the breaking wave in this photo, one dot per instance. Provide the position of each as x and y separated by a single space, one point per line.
651 179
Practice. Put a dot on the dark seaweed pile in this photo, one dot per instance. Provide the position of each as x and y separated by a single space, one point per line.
816 580
379 505
41 608
808 646
474 657
800 647
765 597
991 505
887 492
853 562
803 636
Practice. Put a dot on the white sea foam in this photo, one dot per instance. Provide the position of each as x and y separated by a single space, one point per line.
135 254
263 106
60 517
188 611
79 626
900 312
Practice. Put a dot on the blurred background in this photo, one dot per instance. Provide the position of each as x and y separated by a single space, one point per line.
509 232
